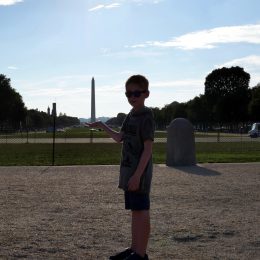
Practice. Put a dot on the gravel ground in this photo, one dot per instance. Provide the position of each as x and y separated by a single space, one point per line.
209 211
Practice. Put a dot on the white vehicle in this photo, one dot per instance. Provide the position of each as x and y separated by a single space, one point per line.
255 130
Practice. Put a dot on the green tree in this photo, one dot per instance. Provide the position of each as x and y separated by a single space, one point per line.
197 111
116 121
64 121
227 94
174 110
12 109
158 118
254 105
38 119
41 120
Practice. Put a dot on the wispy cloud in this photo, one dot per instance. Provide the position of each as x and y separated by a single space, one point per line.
251 64
208 39
141 2
175 90
102 6
178 83
12 68
132 54
55 92
119 3
252 61
67 85
10 2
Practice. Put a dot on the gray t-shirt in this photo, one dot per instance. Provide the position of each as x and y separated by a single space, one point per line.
137 128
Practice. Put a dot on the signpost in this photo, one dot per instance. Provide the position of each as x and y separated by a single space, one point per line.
54 132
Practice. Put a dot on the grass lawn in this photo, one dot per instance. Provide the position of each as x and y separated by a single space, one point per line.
84 132
105 154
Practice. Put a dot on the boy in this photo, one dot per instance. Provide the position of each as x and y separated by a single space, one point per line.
137 134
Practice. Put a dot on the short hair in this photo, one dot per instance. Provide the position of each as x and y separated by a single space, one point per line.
139 80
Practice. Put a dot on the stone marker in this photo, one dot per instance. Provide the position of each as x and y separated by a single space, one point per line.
180 143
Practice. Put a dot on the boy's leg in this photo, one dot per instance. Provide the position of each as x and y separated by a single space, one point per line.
140 231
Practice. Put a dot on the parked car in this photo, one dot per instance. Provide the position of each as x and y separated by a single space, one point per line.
255 130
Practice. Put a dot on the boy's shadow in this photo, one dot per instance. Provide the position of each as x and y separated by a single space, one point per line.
197 170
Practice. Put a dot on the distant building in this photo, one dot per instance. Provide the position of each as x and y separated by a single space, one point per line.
48 111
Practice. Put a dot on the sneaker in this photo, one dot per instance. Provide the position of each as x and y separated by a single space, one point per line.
135 256
122 255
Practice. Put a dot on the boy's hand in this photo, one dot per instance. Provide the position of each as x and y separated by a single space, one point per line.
134 183
97 124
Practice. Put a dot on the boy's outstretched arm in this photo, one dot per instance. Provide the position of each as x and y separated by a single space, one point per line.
117 136
134 181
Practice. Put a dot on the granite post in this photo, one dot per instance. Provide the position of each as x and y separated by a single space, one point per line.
180 143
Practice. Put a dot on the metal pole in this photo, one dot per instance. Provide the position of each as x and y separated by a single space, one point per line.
27 130
91 136
218 136
54 132
27 136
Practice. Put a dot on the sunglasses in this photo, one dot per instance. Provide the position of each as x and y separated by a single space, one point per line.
136 93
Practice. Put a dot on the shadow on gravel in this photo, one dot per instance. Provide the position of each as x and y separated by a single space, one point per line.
197 170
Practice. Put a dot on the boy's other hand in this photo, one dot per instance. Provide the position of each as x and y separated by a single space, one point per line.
97 124
134 183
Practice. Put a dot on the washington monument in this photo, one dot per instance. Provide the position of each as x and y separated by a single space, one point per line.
93 106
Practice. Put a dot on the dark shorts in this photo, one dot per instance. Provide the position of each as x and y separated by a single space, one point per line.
137 201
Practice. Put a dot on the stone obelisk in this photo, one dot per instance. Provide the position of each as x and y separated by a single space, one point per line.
93 105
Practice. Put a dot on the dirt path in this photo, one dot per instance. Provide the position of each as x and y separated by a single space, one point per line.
210 211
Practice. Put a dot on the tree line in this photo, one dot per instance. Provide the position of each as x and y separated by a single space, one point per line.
40 120
227 102
15 116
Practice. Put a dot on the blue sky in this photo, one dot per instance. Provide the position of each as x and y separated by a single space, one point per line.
52 48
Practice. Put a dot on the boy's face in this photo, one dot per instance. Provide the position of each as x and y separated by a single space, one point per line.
136 96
